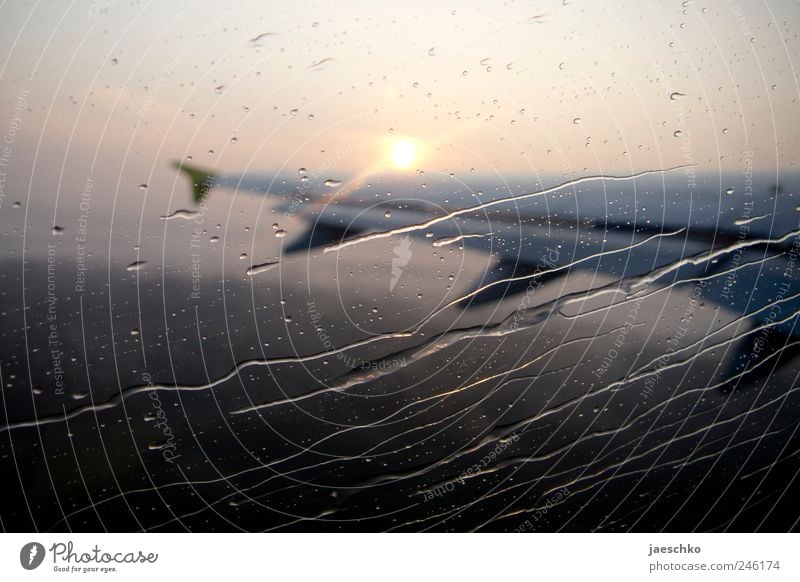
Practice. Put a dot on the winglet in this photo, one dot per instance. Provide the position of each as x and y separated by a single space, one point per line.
202 179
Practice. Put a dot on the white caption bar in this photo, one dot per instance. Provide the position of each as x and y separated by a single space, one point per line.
398 557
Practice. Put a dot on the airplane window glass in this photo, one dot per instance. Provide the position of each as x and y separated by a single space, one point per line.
357 266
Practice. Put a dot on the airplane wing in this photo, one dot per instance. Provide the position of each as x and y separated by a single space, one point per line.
629 232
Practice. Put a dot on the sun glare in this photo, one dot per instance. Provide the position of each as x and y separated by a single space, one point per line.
403 154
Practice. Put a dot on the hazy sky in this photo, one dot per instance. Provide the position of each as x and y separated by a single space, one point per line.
551 86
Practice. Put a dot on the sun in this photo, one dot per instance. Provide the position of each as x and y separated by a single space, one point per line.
403 154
